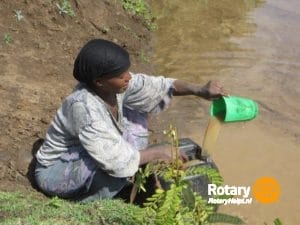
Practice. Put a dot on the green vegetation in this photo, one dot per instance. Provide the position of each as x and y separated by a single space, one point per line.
178 205
65 8
7 38
277 222
16 208
140 8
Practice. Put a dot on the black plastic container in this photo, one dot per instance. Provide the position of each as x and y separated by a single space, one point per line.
199 183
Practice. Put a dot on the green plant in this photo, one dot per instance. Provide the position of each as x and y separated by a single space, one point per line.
140 7
65 8
18 15
179 204
7 38
17 208
277 222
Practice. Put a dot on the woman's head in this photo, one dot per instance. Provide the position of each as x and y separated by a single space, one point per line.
100 59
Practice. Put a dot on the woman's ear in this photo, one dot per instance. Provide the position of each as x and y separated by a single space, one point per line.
97 83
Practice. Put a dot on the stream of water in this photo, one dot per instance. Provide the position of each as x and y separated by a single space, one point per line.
253 48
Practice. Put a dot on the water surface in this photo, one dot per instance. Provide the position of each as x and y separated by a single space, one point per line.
253 48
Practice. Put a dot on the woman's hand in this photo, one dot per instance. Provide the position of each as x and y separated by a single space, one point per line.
166 155
159 153
212 90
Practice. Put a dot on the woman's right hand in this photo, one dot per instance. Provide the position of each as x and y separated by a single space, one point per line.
159 153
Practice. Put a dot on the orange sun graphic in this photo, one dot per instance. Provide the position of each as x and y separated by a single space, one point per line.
266 190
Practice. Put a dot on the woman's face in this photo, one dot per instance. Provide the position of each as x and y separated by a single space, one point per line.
116 84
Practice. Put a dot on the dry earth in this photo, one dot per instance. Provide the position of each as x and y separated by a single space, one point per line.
36 68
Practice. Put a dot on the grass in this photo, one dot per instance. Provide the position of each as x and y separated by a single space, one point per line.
30 209
141 8
17 208
7 38
65 8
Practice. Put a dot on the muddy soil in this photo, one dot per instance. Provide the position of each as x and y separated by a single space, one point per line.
37 54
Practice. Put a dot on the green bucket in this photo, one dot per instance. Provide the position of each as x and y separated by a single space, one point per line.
233 108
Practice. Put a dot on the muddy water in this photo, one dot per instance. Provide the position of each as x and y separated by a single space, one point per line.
253 49
211 136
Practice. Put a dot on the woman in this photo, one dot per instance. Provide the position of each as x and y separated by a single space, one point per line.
98 137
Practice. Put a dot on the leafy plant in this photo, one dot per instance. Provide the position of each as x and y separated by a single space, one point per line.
140 7
65 8
7 38
179 204
277 222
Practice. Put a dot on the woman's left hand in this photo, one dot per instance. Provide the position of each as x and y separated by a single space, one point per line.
212 90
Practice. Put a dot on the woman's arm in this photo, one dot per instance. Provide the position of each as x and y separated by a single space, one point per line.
210 91
145 92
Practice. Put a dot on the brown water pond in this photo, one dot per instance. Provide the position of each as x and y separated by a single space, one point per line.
253 48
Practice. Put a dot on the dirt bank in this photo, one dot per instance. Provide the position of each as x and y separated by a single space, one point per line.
37 54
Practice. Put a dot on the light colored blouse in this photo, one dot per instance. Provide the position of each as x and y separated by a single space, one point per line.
84 121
